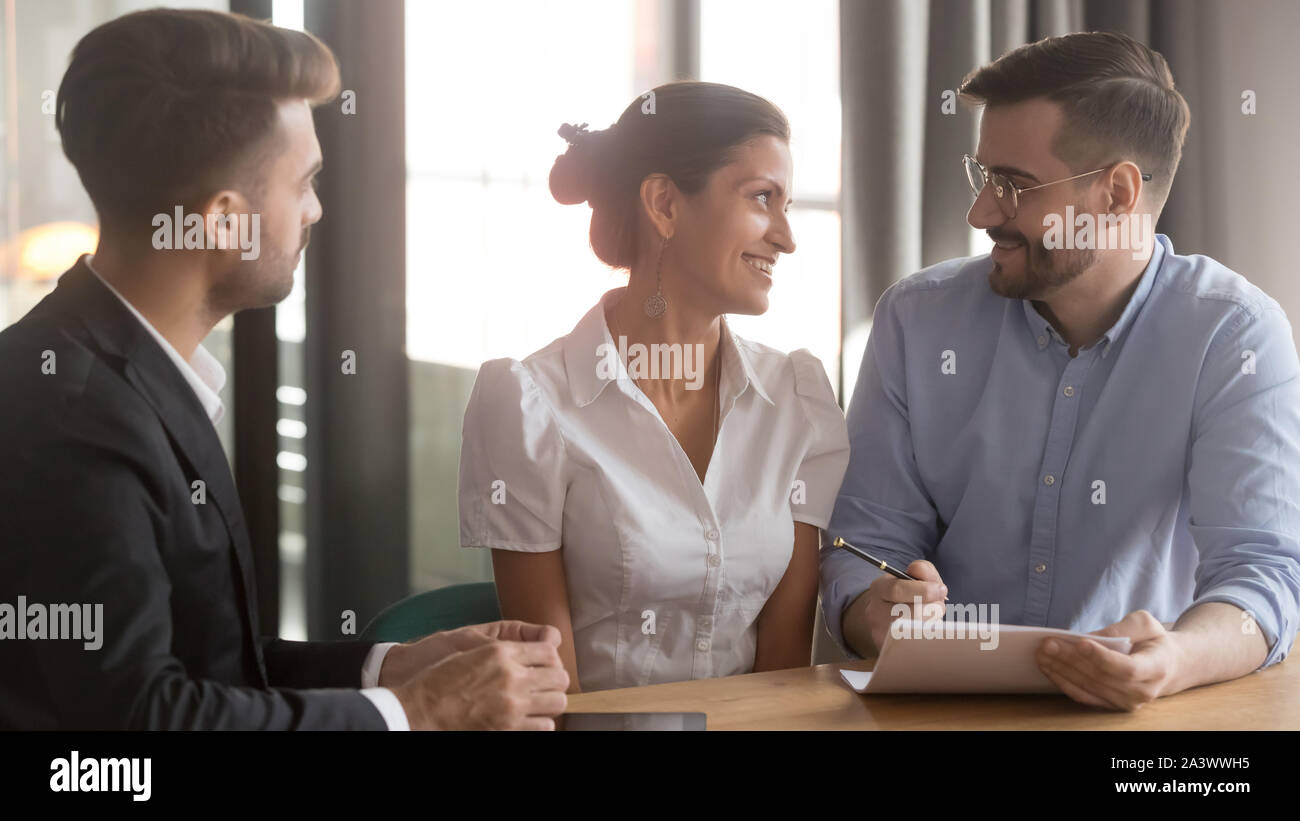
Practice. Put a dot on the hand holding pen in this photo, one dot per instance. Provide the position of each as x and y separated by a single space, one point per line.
866 621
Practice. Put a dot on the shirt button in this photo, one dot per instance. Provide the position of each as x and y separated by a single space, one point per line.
711 535
1069 390
1049 479
714 560
702 645
1042 341
706 621
1040 567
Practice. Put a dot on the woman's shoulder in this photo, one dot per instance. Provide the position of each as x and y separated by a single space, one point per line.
798 372
541 372
799 379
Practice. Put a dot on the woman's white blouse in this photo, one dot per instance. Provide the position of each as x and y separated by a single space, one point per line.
666 577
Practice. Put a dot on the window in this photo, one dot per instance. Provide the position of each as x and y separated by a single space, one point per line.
788 53
512 269
291 422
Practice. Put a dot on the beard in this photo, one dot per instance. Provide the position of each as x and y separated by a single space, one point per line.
261 282
1045 270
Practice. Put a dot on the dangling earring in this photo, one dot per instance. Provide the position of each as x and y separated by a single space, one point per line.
655 304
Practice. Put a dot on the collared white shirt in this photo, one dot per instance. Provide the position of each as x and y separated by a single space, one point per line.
204 373
666 575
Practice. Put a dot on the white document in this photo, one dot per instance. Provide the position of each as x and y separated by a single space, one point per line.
965 658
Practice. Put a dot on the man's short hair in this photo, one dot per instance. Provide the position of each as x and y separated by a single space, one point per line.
163 107
1117 95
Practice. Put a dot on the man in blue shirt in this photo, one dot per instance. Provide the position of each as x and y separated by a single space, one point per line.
1090 437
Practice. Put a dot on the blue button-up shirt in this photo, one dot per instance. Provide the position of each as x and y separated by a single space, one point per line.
1157 469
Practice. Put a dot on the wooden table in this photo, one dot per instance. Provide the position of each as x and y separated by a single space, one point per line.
816 698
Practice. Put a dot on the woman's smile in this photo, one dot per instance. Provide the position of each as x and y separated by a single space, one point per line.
763 265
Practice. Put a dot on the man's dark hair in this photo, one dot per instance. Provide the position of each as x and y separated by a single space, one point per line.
1117 95
163 107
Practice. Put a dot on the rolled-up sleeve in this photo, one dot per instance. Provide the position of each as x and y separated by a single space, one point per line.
1244 478
512 469
882 504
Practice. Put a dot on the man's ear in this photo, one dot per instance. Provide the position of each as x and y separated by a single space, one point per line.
661 202
221 219
1124 188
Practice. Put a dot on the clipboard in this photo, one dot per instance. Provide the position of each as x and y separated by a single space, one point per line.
964 657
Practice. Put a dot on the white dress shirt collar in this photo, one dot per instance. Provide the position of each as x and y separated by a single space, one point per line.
582 351
203 372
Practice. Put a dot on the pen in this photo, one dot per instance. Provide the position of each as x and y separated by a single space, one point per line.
880 563
864 555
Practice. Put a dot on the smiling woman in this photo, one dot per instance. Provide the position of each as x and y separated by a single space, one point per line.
680 134
637 516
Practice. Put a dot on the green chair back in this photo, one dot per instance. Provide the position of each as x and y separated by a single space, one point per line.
443 609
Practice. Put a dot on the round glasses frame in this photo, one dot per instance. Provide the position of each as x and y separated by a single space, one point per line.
1005 192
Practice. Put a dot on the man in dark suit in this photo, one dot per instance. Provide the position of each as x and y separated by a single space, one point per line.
127 593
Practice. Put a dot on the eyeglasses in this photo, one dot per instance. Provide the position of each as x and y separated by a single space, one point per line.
1005 192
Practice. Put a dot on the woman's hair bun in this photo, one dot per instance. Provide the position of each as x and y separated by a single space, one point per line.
577 172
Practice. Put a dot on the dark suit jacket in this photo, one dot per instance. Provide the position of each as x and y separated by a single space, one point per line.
97 465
